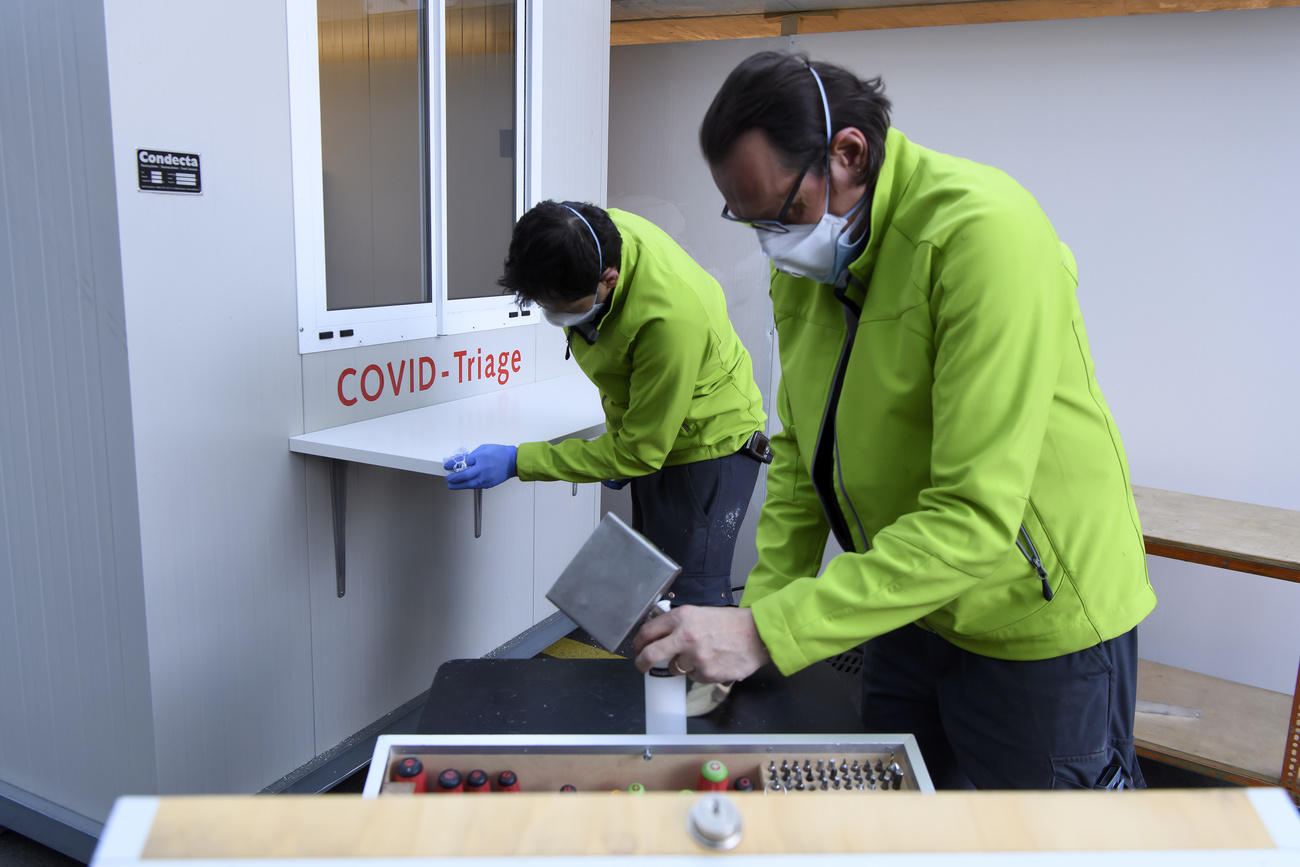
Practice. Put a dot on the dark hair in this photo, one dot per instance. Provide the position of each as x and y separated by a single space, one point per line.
773 91
552 256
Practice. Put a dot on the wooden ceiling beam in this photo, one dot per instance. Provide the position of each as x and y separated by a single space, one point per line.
751 26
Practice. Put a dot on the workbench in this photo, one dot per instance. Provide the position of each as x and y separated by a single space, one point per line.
597 698
607 697
902 829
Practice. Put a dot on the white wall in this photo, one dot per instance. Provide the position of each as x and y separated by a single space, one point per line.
1164 150
216 386
256 664
75 710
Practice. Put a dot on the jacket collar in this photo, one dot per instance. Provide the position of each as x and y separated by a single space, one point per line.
590 331
901 158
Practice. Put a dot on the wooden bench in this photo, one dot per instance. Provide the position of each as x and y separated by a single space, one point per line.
1244 734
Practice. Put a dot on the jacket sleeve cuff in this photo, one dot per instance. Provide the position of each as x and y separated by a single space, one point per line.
774 630
529 458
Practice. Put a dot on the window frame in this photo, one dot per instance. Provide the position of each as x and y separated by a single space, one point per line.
440 315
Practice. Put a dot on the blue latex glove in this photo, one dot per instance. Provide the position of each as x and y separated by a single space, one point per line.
489 466
615 484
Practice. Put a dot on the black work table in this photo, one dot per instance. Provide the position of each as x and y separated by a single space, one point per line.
607 697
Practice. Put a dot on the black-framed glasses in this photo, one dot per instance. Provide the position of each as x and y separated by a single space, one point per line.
778 225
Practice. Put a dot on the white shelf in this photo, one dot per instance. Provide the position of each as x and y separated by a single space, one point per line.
419 440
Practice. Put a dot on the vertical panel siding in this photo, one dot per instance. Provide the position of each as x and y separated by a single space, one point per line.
216 389
75 717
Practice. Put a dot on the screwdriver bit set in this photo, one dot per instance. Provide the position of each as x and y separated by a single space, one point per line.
829 774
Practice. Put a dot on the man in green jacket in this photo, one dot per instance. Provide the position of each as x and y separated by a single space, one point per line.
941 419
683 417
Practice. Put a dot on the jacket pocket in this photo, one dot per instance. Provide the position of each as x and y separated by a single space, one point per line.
1030 552
702 482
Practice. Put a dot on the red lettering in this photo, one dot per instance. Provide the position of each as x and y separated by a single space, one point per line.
491 370
514 361
347 371
503 369
460 364
365 392
396 382
424 386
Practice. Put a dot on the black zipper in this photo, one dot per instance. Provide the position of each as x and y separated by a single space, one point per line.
1034 560
825 461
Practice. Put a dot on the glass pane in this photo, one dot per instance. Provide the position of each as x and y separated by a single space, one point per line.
374 150
480 143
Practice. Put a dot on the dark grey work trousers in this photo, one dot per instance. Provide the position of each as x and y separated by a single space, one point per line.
693 512
986 723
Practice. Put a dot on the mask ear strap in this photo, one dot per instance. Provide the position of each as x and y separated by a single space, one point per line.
600 259
826 110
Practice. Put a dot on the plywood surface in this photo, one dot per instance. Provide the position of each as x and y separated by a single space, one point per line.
566 825
1242 728
1235 531
891 14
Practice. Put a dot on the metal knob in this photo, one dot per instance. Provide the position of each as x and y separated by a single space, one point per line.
714 822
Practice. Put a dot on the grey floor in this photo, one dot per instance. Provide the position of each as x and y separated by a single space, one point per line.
17 851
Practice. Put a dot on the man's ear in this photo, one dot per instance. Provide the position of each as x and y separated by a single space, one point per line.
849 150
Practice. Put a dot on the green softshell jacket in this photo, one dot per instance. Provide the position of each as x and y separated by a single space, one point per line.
676 384
970 418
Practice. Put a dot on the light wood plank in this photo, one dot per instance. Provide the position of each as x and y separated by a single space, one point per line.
1241 732
750 26
655 31
342 826
1223 532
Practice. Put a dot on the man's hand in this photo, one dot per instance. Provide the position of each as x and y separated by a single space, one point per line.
487 466
712 645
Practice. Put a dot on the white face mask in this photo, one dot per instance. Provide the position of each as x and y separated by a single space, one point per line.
568 320
818 250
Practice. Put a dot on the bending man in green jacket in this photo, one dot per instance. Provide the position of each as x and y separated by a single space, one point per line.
942 420
683 417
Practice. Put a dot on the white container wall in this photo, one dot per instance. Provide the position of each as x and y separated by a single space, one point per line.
76 718
176 626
